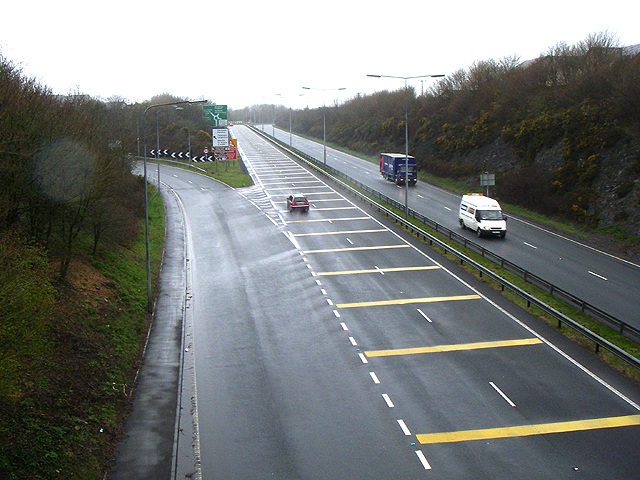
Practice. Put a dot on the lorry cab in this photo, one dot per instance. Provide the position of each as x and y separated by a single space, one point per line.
483 215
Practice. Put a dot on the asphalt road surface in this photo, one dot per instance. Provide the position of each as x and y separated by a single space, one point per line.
605 281
326 345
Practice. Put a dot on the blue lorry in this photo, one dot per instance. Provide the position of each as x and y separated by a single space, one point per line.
392 168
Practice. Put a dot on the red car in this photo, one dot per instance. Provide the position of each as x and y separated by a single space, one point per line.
297 202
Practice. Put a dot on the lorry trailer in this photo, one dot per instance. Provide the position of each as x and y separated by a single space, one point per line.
393 167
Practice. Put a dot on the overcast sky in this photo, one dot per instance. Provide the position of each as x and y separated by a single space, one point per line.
245 52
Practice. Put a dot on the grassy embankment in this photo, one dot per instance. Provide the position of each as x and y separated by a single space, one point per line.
67 390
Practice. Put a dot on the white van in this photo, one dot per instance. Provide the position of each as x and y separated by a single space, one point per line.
483 215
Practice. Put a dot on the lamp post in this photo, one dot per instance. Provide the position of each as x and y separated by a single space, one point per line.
146 202
406 134
324 118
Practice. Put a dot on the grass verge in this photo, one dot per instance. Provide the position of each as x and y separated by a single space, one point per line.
63 411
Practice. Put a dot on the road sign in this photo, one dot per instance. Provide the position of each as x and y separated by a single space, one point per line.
220 137
487 179
216 113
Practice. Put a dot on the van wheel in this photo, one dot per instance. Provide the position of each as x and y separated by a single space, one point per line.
479 232
461 223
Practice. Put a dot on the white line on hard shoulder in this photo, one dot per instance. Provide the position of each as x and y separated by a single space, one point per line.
502 394
404 427
423 460
425 316
596 275
388 400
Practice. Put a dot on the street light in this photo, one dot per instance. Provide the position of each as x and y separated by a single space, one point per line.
406 135
324 119
146 202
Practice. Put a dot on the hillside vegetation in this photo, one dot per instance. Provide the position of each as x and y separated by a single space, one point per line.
73 305
561 132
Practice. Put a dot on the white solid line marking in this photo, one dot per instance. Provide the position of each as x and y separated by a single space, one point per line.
363 358
507 399
529 245
344 326
404 428
374 377
596 275
425 316
336 313
353 341
423 460
388 400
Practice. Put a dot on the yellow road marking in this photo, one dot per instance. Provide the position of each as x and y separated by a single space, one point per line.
334 208
405 301
353 249
329 220
338 233
453 348
301 187
300 182
383 270
309 194
528 430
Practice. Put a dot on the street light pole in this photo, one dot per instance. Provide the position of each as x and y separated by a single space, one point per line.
146 201
406 135
324 118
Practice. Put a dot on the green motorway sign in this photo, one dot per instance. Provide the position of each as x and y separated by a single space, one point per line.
216 113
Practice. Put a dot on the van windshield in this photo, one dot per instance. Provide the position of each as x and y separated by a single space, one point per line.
490 215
